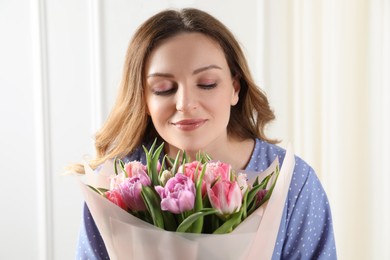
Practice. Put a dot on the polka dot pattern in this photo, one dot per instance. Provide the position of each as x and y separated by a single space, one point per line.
306 230
90 244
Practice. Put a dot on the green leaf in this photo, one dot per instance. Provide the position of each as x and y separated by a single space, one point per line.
155 157
228 226
148 155
122 165
266 180
269 192
198 156
206 158
200 177
152 203
198 224
252 193
156 154
256 189
148 162
152 160
102 190
252 205
95 189
169 221
162 165
115 165
202 157
176 163
153 145
184 158
244 204
187 223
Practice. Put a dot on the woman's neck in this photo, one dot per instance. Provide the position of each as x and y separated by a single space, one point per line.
235 152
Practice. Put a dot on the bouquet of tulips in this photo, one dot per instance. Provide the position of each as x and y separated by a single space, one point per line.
202 196
173 208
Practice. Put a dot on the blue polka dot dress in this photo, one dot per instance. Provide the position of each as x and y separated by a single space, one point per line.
305 232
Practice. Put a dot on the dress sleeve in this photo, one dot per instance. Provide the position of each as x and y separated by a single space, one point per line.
306 230
90 244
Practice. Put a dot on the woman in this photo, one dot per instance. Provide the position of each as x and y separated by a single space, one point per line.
187 83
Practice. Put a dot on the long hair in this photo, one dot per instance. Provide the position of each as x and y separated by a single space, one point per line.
128 124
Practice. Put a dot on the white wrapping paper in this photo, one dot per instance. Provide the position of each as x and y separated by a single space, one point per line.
127 237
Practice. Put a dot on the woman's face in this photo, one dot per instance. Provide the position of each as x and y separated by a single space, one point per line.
189 91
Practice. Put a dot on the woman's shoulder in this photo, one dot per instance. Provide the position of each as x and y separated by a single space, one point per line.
304 184
264 153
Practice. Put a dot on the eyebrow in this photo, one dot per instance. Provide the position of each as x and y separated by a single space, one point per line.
206 68
158 74
168 75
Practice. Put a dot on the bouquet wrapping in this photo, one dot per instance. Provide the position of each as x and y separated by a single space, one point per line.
129 237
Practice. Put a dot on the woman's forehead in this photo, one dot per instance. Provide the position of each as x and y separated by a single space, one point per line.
191 51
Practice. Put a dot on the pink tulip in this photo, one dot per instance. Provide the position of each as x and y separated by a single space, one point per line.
189 170
131 188
134 168
115 197
225 196
217 170
178 195
116 180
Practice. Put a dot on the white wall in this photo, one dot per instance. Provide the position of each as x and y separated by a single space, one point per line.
46 124
17 139
324 65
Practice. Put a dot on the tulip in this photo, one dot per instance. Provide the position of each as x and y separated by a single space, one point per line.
134 168
189 170
178 195
115 197
130 191
116 180
217 171
225 196
193 170
260 196
165 176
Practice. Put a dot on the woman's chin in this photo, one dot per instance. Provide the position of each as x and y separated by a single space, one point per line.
190 148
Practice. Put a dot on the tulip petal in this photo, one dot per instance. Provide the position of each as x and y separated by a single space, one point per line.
178 195
170 205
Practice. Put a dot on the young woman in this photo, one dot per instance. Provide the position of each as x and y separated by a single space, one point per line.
187 83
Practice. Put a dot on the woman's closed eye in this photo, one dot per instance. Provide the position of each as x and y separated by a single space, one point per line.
163 92
207 85
164 88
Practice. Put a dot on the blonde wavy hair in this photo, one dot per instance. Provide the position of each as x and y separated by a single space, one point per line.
128 124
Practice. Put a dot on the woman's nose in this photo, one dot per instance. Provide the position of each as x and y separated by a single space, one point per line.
186 99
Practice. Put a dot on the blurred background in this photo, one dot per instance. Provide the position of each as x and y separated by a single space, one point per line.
324 65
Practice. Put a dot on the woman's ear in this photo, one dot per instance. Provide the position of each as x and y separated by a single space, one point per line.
236 88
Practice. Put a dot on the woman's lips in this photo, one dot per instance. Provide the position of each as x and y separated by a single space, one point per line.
189 124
